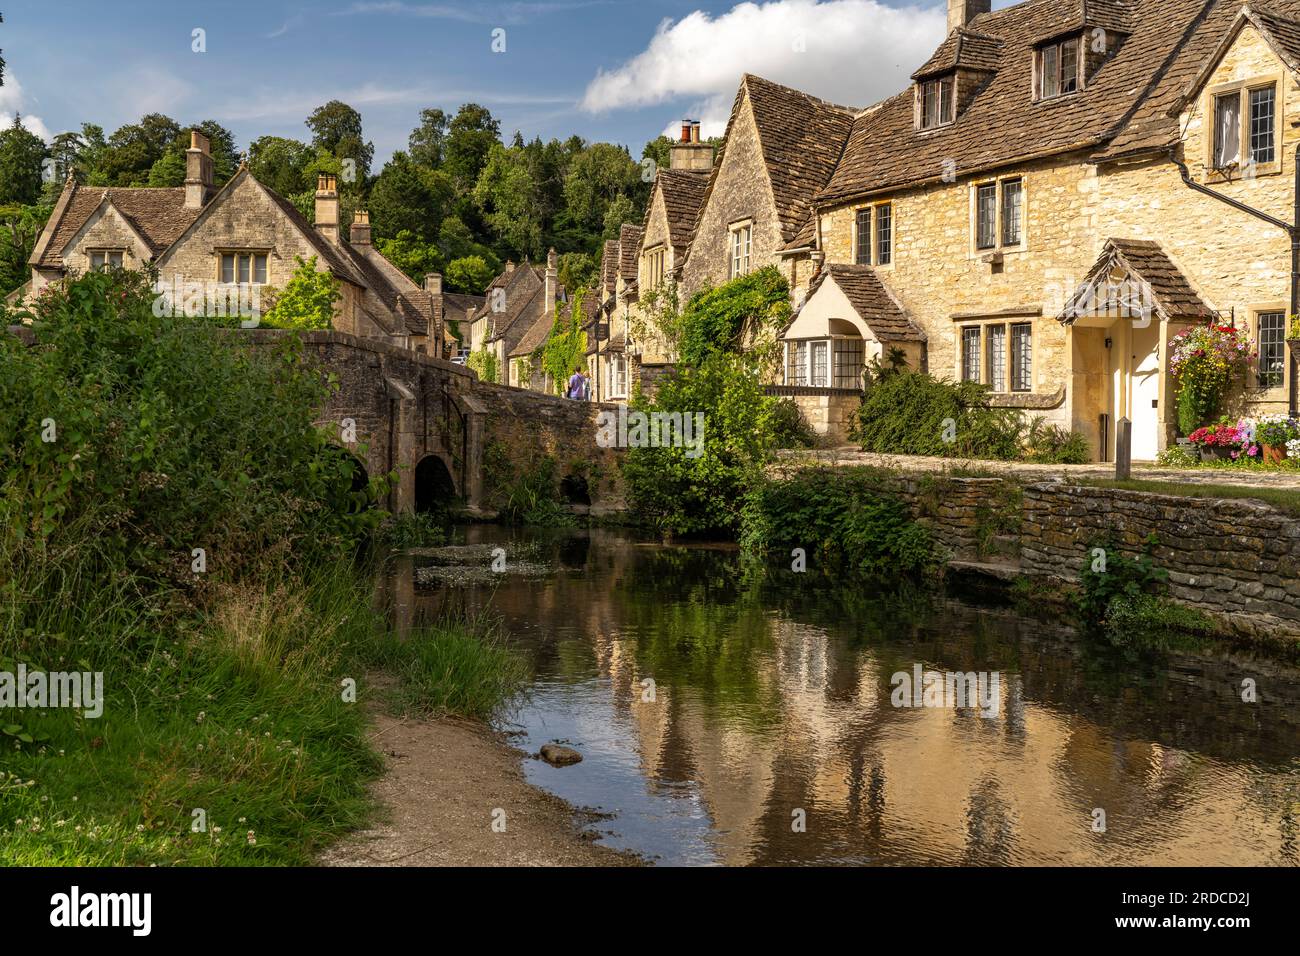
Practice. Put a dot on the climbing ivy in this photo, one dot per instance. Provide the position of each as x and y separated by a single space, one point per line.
484 363
566 347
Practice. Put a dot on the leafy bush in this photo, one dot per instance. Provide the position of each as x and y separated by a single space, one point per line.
844 516
307 301
681 494
484 363
789 428
137 439
1113 575
913 413
1149 622
1054 445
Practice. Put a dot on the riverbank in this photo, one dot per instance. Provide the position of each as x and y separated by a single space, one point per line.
445 783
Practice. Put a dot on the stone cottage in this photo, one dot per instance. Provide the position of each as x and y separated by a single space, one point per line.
242 237
1064 186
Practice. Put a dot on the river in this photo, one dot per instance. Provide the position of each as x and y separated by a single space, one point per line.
731 718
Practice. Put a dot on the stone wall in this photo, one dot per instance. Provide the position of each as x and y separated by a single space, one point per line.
522 427
831 412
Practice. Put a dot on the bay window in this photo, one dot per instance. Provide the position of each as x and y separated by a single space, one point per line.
832 362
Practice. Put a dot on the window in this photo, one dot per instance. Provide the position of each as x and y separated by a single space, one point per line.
1227 130
849 354
245 268
796 367
1261 125
1272 349
1058 69
741 247
882 253
102 259
617 376
999 356
936 107
884 234
986 217
820 355
864 237
995 341
1022 361
654 268
970 354
1000 215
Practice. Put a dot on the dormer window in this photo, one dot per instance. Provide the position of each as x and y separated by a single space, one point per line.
1058 69
935 101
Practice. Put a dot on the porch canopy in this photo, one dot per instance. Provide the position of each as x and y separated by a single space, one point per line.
1134 279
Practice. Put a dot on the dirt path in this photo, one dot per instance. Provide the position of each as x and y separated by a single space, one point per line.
444 782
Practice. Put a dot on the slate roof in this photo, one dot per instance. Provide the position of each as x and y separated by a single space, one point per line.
1171 294
872 302
801 138
966 50
629 244
1126 99
535 337
159 215
683 192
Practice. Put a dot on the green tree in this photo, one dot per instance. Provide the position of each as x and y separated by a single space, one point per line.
307 300
471 135
20 226
281 164
469 275
336 128
410 198
598 176
411 254
428 141
21 156
508 195
169 170
132 150
578 270
66 150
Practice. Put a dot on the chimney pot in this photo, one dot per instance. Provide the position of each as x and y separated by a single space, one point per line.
360 235
433 284
327 207
695 132
686 131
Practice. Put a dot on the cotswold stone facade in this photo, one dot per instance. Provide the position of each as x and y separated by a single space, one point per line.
241 237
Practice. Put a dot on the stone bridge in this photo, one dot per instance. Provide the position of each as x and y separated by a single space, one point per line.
445 434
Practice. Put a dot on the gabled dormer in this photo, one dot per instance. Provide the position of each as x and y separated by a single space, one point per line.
949 80
1066 61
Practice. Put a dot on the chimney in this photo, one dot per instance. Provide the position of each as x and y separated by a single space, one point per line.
552 281
433 283
962 12
360 235
198 171
327 206
690 153
510 266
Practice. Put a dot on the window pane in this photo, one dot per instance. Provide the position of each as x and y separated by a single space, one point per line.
1012 192
945 101
929 104
848 363
227 268
115 259
864 237
997 348
820 353
259 269
96 261
1022 369
1261 125
1227 130
1051 71
986 213
1272 348
884 234
243 269
800 363
1069 66
970 349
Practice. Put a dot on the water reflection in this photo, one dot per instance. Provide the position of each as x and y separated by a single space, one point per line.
770 701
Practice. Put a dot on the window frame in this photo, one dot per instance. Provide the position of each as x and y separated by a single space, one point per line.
882 243
1058 47
939 84
107 255
797 364
1007 357
1259 384
998 184
252 255
1244 91
735 231
656 266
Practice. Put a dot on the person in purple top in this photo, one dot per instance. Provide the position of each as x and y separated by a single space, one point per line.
577 384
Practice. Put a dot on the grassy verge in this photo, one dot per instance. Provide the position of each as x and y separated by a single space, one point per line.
227 738
1284 499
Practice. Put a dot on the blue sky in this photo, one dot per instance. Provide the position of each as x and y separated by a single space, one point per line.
616 70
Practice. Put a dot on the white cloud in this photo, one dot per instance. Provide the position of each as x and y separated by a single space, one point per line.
854 52
13 102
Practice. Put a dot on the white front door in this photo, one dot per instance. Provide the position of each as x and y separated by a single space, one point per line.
1144 412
